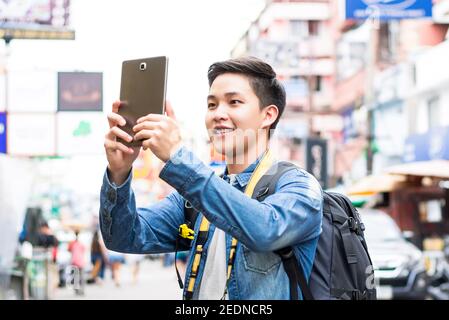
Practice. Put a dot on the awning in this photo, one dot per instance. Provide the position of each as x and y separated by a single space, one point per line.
376 184
432 168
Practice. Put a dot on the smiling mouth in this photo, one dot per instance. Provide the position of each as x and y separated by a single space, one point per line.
222 132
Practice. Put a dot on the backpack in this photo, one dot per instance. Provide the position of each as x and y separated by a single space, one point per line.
342 268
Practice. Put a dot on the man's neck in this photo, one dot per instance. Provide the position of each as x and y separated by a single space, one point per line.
240 163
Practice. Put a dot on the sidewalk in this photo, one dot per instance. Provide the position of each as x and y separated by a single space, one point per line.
155 282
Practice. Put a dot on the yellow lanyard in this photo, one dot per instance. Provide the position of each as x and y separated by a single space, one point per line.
263 166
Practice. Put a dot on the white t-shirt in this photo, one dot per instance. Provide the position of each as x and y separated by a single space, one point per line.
213 282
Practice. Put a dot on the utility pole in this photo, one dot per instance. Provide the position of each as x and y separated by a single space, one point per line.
373 45
8 40
311 84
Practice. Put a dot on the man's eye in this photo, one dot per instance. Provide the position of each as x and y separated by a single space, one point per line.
211 105
234 101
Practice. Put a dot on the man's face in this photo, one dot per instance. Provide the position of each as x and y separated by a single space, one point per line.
233 117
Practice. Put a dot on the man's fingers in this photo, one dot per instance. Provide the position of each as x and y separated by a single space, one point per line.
146 144
115 145
149 125
151 117
110 145
115 119
169 110
115 133
144 134
116 106
119 133
110 135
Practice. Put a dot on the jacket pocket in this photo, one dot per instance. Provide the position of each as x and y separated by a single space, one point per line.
261 262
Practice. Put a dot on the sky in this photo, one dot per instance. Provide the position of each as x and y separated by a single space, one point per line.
193 34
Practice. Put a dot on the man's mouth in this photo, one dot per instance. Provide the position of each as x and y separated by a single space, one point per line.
222 131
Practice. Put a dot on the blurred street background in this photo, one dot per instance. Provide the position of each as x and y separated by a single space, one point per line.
367 114
154 283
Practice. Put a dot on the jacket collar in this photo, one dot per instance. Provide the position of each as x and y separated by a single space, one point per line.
243 177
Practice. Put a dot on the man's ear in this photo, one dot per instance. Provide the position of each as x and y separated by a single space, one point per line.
270 113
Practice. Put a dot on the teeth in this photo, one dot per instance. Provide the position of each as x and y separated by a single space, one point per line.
222 131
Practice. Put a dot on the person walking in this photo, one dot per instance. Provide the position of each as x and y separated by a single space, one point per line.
78 251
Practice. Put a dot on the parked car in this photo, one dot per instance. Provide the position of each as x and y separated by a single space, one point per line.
399 267
439 285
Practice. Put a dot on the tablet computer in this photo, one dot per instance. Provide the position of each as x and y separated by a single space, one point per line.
142 91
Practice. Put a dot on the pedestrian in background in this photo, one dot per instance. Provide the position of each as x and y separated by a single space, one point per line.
116 260
98 257
134 260
78 250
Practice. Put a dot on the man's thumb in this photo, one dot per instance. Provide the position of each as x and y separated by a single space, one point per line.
169 110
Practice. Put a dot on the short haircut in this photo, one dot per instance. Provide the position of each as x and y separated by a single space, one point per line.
262 79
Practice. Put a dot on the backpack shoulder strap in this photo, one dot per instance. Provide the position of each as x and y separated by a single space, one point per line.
267 184
190 214
264 188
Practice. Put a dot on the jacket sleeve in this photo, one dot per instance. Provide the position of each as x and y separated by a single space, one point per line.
290 216
128 229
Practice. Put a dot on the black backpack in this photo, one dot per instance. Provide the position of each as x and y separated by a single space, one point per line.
342 268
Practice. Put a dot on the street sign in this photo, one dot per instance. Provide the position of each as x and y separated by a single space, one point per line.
388 9
316 159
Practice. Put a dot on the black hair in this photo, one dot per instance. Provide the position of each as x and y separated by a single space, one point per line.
262 79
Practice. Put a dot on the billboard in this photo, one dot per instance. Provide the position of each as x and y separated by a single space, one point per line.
31 134
80 91
3 132
31 91
388 9
35 19
80 133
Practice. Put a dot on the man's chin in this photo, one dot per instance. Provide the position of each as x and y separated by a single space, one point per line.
229 153
224 152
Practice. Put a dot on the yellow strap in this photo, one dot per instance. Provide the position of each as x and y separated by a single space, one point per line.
231 256
261 169
204 226
263 166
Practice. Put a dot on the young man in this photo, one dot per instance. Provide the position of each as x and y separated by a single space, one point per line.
245 101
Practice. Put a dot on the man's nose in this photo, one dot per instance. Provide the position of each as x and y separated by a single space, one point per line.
220 113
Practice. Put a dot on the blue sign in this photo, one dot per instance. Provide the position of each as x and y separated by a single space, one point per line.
428 146
2 132
388 9
349 129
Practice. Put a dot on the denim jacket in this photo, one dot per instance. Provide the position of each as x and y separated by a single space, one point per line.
290 217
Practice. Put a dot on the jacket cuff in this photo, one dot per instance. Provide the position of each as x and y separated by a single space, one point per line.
182 168
114 194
